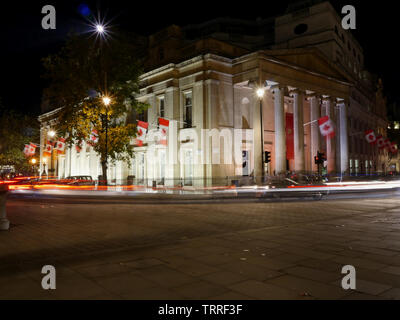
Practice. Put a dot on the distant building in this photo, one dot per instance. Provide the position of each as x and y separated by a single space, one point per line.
205 77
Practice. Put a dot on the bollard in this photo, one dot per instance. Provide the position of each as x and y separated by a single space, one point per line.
4 223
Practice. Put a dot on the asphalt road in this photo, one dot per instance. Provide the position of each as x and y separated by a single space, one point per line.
212 250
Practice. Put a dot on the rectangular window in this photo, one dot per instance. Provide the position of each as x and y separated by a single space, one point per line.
161 107
187 110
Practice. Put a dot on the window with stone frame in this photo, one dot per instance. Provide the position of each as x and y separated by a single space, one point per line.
161 107
187 110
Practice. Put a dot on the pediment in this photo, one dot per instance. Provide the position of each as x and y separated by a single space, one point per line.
311 59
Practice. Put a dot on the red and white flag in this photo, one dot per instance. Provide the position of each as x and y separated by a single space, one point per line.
326 127
48 149
94 136
60 145
370 136
164 126
32 149
393 148
141 133
380 142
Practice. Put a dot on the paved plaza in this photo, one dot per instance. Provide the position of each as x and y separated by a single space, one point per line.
221 250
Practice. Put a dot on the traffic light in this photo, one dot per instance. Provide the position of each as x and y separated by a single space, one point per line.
320 158
267 158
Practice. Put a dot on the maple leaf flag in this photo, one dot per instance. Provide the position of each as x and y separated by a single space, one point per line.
164 126
380 142
94 137
326 127
32 149
141 132
393 148
60 145
370 136
48 149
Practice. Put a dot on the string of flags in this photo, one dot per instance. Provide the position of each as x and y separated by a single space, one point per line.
327 130
380 141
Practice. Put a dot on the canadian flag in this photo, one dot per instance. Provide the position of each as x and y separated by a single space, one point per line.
393 148
32 149
48 149
60 145
94 136
141 133
370 136
380 142
164 125
326 127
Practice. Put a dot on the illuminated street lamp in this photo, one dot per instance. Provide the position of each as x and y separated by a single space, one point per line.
106 102
51 133
100 28
260 94
33 162
44 162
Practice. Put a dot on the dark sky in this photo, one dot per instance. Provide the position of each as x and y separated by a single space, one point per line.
24 42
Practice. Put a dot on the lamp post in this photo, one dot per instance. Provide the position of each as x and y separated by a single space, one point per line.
44 166
260 94
33 162
106 102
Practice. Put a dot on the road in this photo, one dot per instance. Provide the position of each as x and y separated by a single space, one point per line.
193 250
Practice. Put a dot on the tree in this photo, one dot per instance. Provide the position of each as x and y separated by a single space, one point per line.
16 130
84 72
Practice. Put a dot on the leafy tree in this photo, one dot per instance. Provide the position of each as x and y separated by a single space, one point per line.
84 72
16 130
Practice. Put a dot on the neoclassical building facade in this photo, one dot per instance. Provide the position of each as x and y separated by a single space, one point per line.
205 77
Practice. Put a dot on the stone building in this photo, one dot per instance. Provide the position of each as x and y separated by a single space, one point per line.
204 77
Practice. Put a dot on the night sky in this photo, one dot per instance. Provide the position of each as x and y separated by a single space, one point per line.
24 42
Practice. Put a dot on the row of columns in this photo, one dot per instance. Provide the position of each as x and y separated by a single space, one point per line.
337 156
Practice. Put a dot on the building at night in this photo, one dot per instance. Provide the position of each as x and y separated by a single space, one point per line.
205 77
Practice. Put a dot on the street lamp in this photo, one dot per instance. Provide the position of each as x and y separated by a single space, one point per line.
106 102
33 162
260 94
100 28
51 133
44 161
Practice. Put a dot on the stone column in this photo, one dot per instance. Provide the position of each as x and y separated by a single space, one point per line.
315 110
330 142
344 138
298 127
280 134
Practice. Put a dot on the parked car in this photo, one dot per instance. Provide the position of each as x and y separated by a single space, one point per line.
79 181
